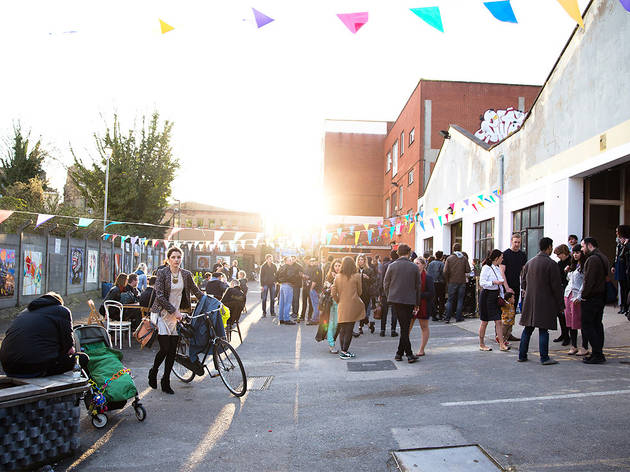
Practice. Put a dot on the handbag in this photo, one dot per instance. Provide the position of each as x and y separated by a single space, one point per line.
145 333
378 311
325 300
501 301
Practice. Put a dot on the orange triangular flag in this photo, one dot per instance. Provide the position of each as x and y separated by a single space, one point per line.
573 9
165 27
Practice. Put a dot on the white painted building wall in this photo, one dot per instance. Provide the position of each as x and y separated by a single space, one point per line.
586 96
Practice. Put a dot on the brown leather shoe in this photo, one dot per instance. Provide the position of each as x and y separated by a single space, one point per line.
513 338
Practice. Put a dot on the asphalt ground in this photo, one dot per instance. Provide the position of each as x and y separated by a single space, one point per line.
315 414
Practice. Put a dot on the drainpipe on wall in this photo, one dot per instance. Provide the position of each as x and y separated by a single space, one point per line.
20 271
501 184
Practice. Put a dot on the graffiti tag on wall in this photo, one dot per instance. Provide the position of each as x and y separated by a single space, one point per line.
498 125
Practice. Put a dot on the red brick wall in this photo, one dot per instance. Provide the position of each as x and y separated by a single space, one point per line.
460 103
352 174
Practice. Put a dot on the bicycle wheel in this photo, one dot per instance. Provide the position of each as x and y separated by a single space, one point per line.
230 368
181 372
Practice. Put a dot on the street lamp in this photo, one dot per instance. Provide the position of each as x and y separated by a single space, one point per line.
108 155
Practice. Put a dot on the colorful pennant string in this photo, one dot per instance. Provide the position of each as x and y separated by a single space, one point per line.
573 9
502 11
41 219
165 27
353 21
85 222
261 18
431 16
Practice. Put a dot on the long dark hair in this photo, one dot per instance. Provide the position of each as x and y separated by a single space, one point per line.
492 255
330 276
348 267
579 265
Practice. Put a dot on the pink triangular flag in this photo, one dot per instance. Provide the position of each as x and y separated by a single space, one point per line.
354 21
41 219
4 214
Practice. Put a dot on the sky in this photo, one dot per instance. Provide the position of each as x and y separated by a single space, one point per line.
249 104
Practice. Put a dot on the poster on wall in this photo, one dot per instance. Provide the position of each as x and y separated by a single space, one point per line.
7 272
92 266
32 273
203 262
106 267
117 270
76 266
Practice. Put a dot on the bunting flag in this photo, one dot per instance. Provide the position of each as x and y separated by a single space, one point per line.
114 236
157 241
85 222
380 231
431 16
452 206
134 240
436 210
165 27
123 239
217 235
625 4
475 207
492 198
432 223
573 9
502 11
440 218
480 197
106 237
4 214
261 18
353 21
342 236
41 219
446 216
173 232
467 201
328 238
146 242
366 226
422 215
392 221
391 232
351 228
421 223
113 223
357 234
496 192
411 226
480 203
369 236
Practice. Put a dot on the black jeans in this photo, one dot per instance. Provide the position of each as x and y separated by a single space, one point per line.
168 348
592 326
624 286
384 310
306 302
440 295
573 333
345 335
63 363
268 289
295 303
403 314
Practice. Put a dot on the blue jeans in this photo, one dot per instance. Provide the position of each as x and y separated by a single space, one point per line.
543 343
332 324
266 289
284 305
455 290
315 303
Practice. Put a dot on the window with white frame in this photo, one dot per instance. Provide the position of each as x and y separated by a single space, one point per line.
395 158
428 245
410 177
394 203
389 162
400 202
402 143
412 136
484 238
387 213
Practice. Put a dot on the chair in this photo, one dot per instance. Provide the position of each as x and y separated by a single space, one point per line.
117 327
95 317
233 326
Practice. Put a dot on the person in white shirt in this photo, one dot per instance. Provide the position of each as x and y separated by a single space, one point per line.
491 281
572 296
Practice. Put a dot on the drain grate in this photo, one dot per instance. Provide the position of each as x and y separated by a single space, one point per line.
259 383
371 366
468 458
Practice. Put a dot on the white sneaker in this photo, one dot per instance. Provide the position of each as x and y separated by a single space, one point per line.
333 350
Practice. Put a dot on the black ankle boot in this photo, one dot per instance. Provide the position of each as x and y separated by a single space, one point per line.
152 378
166 386
372 327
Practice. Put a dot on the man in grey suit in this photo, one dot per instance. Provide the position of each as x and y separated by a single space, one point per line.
403 285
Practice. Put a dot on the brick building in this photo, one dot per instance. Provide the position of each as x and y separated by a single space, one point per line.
412 143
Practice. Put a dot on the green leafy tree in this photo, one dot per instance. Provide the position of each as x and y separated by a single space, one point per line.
141 170
22 161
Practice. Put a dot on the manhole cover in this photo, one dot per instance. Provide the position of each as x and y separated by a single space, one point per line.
259 383
470 458
370 366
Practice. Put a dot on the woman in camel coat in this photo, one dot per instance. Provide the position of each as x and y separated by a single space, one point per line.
346 291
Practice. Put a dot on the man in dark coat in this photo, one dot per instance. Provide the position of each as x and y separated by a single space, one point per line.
39 342
384 305
403 287
594 299
542 301
215 286
268 284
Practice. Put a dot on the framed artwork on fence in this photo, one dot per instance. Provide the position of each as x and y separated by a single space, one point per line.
92 266
32 273
117 269
7 272
106 267
76 266
203 262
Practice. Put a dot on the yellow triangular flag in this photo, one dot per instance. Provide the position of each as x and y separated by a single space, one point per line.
411 226
356 237
573 9
165 27
366 226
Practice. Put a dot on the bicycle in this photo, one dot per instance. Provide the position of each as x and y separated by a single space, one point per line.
226 360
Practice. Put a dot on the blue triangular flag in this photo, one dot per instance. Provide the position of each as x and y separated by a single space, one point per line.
261 18
501 10
430 15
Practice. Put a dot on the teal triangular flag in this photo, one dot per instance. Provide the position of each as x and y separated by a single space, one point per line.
85 222
431 15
